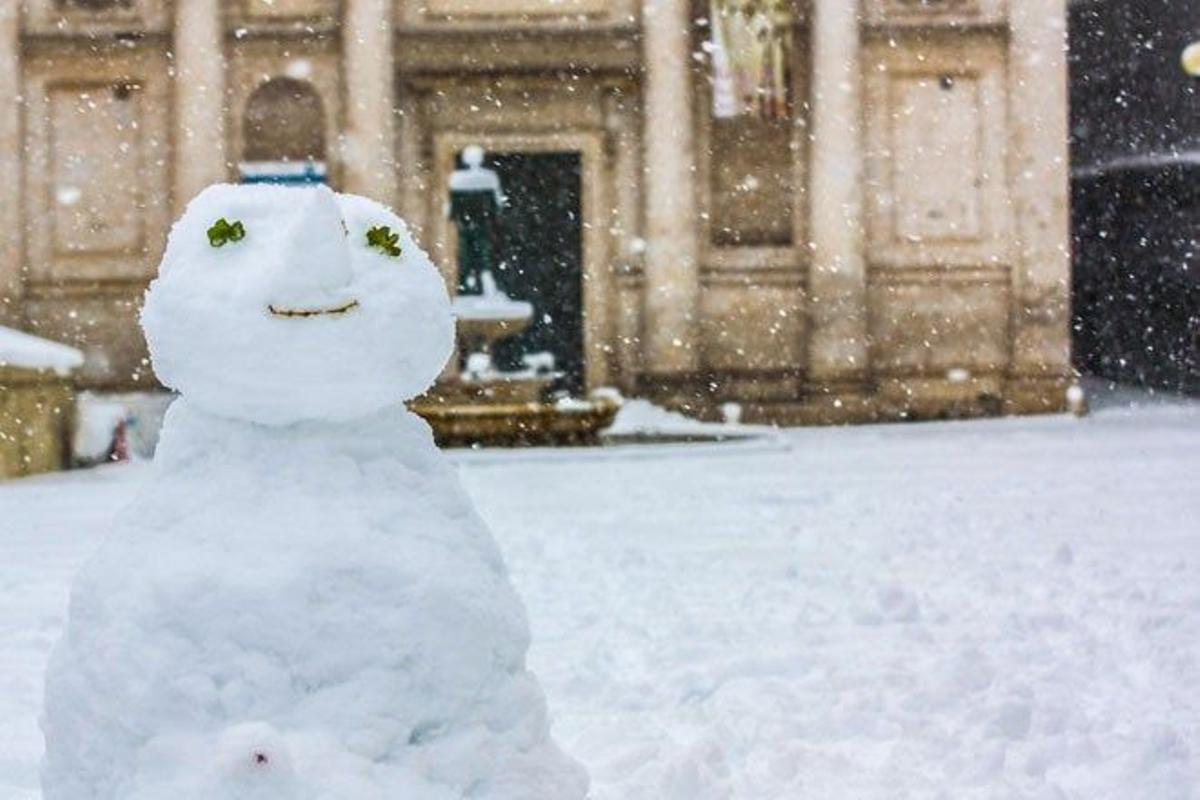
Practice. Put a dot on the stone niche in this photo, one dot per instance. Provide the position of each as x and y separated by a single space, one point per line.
273 115
752 170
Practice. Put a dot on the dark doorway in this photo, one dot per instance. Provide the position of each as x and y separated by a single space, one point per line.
540 255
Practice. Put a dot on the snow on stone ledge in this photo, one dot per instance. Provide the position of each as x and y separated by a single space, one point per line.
19 349
642 418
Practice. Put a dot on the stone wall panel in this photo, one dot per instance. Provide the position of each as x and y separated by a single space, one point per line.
936 153
97 200
939 326
751 327
102 325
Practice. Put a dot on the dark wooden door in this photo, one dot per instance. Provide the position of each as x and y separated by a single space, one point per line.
540 255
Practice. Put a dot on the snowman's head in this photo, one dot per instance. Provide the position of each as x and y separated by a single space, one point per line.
277 305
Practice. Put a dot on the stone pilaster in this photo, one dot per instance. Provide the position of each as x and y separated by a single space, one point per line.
837 349
1041 353
200 100
11 112
368 67
672 272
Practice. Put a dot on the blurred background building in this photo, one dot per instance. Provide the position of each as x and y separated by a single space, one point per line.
819 211
1135 129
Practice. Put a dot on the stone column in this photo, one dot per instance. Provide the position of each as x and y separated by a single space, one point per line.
672 273
10 162
1042 272
368 64
837 303
200 99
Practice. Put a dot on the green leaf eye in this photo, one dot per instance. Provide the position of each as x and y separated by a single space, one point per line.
223 232
381 236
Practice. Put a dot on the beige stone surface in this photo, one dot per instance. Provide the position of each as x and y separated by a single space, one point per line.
940 326
837 342
749 328
1039 169
367 141
671 265
101 322
897 248
287 9
923 13
11 218
199 82
37 411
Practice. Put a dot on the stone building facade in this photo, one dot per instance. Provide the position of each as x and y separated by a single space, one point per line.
896 246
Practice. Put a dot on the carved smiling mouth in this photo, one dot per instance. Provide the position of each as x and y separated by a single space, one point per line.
333 311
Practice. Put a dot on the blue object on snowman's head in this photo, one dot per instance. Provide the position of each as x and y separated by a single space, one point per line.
299 314
284 173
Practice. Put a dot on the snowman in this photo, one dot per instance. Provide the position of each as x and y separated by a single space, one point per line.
302 603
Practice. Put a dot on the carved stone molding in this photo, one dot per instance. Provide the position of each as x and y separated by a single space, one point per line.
60 18
935 13
501 8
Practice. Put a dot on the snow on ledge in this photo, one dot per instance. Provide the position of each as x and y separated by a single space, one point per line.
639 417
19 349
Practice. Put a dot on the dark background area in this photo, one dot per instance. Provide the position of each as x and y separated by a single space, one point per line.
539 250
1135 125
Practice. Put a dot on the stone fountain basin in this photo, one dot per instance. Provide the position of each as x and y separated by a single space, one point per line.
490 330
515 424
505 408
487 319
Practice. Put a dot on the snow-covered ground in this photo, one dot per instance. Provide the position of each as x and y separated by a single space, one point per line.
1005 608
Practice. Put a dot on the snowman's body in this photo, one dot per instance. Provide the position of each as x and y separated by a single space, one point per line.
302 603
